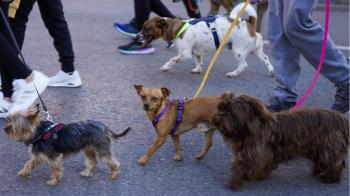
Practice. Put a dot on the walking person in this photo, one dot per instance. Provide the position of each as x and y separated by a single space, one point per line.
291 32
17 80
53 16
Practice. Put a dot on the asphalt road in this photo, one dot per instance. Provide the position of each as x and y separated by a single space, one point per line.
108 96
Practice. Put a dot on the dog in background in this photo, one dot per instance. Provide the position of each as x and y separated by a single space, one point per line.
198 39
228 5
261 140
50 144
197 113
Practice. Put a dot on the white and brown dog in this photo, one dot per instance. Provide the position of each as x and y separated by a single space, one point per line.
194 39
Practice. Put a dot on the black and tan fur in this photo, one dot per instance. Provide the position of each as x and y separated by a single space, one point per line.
92 137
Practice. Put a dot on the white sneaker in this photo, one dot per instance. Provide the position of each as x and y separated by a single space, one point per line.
25 94
4 107
62 79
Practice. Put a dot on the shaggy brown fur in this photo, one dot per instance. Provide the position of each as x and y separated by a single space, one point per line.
261 140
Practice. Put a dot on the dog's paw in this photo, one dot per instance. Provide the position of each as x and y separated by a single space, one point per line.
114 175
177 158
86 173
231 74
200 156
52 182
23 173
164 68
142 161
196 70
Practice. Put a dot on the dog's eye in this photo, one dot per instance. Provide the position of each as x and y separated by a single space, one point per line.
143 97
154 99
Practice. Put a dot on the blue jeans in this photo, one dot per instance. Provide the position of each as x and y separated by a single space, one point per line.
291 32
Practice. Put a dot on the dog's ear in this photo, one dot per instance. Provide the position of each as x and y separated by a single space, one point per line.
33 111
161 23
226 100
260 110
165 91
138 88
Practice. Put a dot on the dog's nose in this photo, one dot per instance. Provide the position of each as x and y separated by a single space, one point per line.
6 130
146 106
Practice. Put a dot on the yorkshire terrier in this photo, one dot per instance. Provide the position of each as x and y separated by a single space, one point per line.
50 143
261 140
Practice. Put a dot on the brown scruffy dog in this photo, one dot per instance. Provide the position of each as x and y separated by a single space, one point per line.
196 113
50 143
261 140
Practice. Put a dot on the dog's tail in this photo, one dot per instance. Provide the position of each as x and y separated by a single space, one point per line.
251 13
115 135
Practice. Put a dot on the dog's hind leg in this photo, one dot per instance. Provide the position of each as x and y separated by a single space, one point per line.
209 142
177 145
172 62
56 166
198 59
264 58
91 161
113 164
332 171
29 166
242 64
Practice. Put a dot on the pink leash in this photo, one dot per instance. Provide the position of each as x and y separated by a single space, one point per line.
323 51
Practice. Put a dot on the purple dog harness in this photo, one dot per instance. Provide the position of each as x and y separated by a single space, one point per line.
180 109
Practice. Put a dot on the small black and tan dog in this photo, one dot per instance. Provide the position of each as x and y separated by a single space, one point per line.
50 143
261 140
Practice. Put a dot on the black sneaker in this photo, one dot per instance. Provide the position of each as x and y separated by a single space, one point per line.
341 102
136 47
276 104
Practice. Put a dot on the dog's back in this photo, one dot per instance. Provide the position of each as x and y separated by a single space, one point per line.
311 130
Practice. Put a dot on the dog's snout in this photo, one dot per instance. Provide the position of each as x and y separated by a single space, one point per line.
7 129
146 106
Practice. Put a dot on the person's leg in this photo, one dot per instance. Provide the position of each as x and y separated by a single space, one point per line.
19 23
142 12
53 17
307 36
284 56
192 8
160 9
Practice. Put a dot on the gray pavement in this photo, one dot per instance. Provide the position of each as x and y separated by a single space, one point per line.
108 96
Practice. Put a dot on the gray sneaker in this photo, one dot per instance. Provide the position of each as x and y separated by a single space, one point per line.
341 102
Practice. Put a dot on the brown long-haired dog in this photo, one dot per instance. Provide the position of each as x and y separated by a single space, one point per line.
261 140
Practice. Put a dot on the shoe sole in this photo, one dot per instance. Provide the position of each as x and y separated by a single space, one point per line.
124 32
149 51
67 85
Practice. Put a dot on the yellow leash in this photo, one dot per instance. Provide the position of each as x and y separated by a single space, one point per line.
216 55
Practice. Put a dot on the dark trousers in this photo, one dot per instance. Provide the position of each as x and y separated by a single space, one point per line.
10 66
143 9
192 8
53 16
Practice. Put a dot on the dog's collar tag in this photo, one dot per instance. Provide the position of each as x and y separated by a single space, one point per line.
183 28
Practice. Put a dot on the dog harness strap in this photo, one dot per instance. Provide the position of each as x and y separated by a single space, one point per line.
183 28
52 131
210 23
159 116
211 26
180 109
